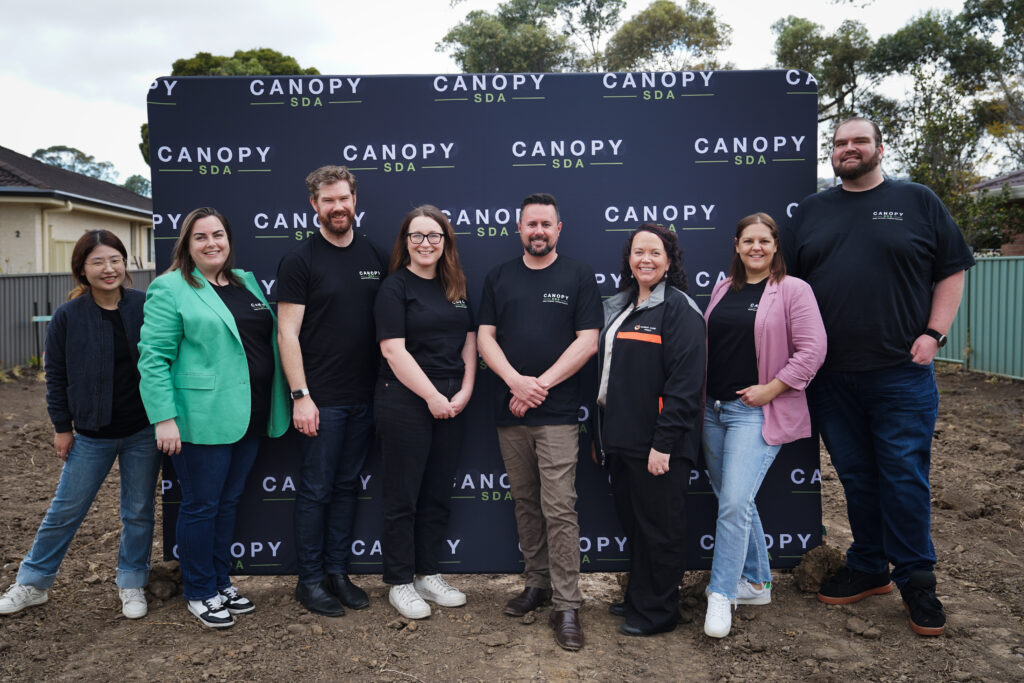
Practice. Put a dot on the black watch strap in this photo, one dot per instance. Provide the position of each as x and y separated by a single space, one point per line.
937 336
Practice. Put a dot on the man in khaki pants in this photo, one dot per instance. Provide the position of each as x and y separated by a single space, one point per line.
539 321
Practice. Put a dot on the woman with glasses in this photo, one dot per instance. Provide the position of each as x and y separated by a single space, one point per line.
92 396
428 342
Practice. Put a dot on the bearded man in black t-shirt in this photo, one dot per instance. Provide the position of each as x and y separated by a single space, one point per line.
539 316
326 290
886 263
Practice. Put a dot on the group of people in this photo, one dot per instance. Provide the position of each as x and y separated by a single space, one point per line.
367 345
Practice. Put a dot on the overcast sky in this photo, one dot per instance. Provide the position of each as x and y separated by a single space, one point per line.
77 73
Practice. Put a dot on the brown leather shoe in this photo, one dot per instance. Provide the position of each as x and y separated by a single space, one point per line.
527 601
568 632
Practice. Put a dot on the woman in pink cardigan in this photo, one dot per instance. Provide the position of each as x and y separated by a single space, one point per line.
765 342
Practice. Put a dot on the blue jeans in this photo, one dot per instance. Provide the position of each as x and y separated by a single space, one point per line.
87 466
325 498
737 458
877 426
212 480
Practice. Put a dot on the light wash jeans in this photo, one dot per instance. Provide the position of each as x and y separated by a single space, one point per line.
737 458
84 471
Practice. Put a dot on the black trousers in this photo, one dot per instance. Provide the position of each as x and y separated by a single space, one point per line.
652 511
419 456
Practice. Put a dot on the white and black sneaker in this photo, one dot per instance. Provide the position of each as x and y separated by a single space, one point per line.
235 603
211 612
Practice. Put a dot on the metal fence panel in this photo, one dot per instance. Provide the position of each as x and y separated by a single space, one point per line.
996 316
24 296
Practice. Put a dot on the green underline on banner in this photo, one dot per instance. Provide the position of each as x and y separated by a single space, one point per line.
814 492
789 557
437 166
368 564
710 227
451 99
272 237
703 294
518 165
277 500
619 97
165 104
789 159
174 170
610 559
706 557
277 564
528 98
697 94
463 497
172 502
606 163
618 229
344 101
365 498
801 92
166 237
364 168
263 104
450 562
464 233
713 161
254 170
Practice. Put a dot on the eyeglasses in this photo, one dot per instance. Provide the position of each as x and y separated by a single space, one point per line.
113 262
432 237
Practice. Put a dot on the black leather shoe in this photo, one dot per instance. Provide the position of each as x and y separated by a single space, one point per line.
316 598
568 632
347 592
617 608
630 630
530 599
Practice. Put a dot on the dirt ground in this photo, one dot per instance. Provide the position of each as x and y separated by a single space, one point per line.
978 513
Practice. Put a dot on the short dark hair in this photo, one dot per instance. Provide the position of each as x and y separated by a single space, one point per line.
540 198
325 175
675 276
182 258
737 271
83 247
874 126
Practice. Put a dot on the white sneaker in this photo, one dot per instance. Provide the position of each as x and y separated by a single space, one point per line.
211 612
718 620
436 589
408 602
746 594
133 602
19 596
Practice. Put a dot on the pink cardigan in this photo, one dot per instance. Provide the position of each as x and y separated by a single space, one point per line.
789 339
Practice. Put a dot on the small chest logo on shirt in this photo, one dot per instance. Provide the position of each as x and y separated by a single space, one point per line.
461 303
752 308
553 298
887 216
645 328
369 274
258 306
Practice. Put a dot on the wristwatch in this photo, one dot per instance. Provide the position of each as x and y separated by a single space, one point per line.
299 393
937 336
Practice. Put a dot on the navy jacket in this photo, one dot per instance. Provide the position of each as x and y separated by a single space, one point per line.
79 360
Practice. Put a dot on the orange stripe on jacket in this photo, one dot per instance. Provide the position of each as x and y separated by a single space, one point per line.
640 336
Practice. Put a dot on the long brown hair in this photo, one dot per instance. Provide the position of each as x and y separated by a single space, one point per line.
449 268
737 271
182 258
83 247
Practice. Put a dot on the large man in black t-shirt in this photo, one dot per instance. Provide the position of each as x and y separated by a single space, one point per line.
326 289
539 320
886 262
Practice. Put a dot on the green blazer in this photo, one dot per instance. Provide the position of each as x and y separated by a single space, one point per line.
193 364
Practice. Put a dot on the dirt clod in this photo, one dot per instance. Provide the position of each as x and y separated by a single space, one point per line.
817 565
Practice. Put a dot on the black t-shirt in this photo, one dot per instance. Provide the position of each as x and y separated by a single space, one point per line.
127 414
337 285
732 355
537 314
872 259
434 328
256 327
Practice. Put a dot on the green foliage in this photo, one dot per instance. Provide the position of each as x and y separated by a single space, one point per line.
665 36
485 43
138 184
76 160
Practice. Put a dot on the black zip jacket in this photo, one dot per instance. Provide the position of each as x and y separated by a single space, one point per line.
656 378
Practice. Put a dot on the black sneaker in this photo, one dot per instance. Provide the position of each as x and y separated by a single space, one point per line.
211 612
850 585
235 603
926 615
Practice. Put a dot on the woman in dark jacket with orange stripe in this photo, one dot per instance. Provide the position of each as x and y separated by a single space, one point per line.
652 355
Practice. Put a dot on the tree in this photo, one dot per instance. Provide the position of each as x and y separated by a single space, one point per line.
667 37
76 160
518 36
260 61
138 184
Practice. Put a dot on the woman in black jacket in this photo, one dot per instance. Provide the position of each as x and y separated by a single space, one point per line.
92 395
652 355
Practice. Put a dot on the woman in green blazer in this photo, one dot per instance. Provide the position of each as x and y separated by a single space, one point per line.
212 384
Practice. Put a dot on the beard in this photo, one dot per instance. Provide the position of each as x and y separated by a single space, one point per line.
327 222
854 172
543 250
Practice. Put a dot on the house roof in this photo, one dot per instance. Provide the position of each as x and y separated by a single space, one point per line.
1014 180
24 176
